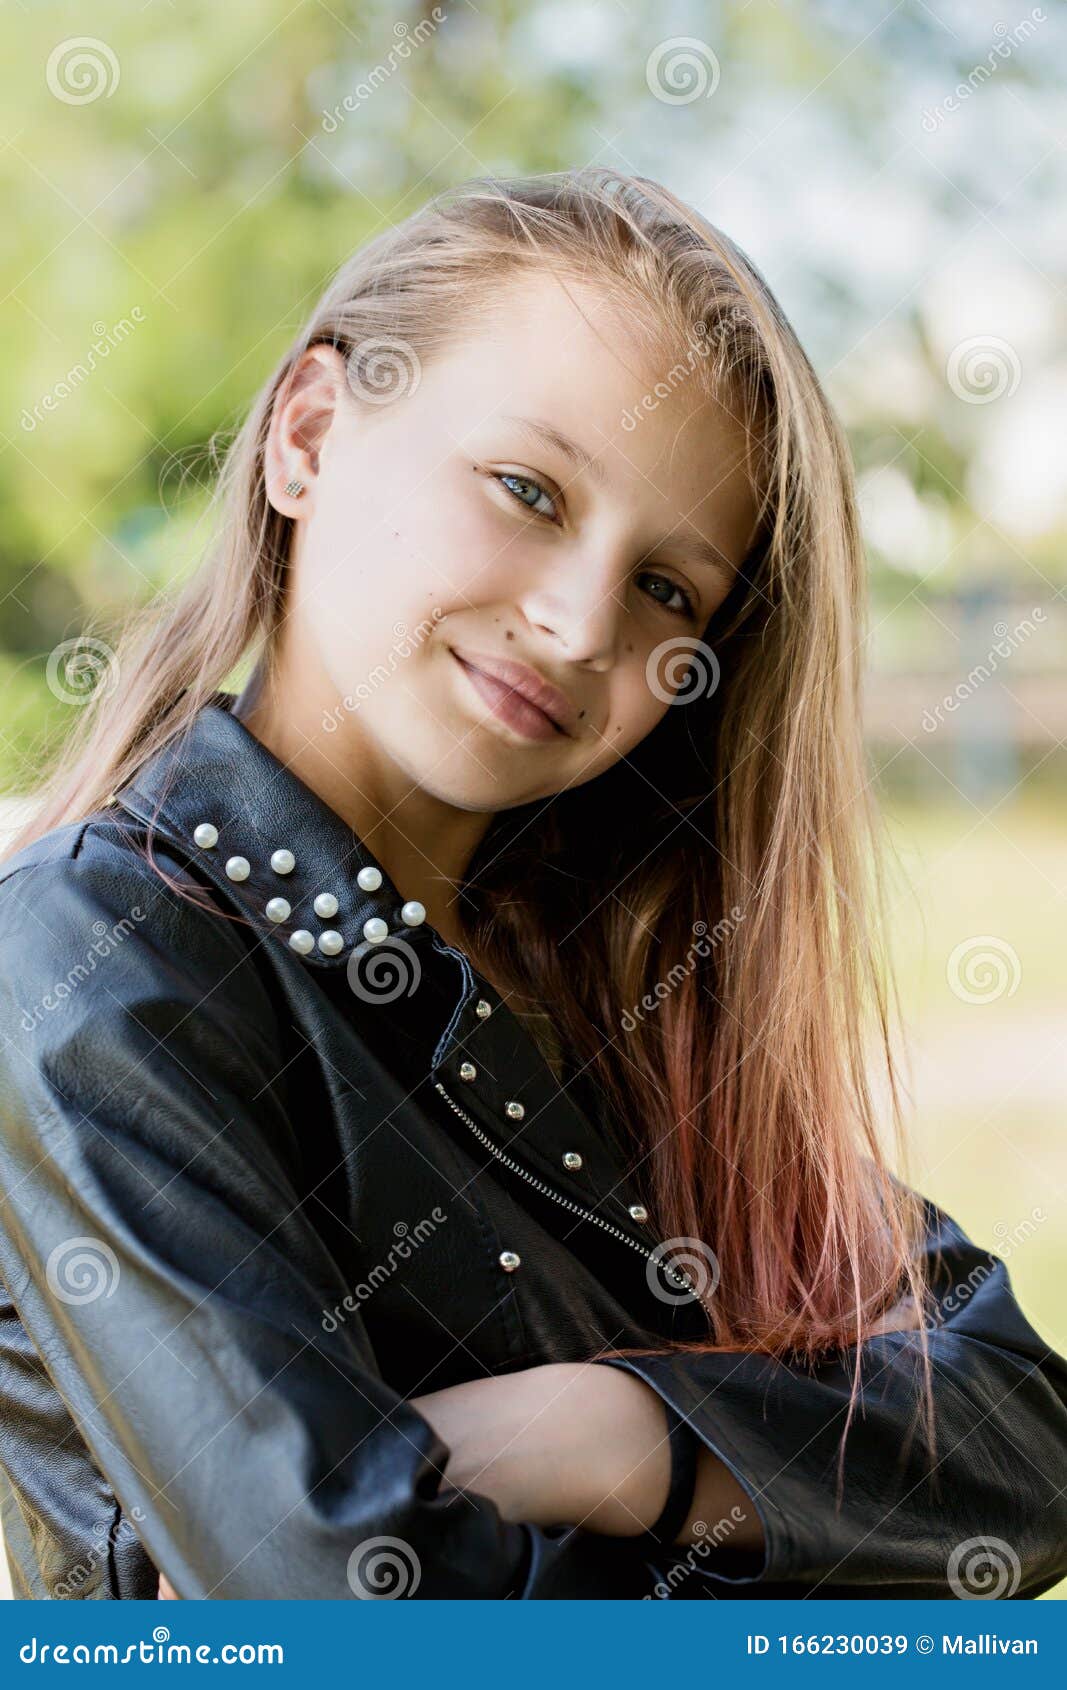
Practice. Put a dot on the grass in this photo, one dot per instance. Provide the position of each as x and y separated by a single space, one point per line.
990 1076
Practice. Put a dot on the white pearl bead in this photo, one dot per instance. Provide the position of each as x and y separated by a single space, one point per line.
282 862
206 835
278 909
326 905
238 868
375 929
412 913
369 879
330 942
302 941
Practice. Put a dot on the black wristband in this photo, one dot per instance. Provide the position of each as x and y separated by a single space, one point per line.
685 1448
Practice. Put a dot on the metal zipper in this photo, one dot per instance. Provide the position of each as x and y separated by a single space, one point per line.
680 1278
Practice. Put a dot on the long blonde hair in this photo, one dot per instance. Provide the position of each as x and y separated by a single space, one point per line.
739 1078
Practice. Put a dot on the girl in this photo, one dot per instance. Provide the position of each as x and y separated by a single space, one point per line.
439 1149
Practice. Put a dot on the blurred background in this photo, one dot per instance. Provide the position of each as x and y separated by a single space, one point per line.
181 183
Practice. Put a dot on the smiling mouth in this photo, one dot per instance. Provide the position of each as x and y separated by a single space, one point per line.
510 706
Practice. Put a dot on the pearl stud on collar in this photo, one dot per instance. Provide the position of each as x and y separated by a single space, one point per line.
330 942
413 913
369 879
326 905
238 868
302 941
206 835
279 909
282 862
375 930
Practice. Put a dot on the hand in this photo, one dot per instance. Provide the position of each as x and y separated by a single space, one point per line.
563 1444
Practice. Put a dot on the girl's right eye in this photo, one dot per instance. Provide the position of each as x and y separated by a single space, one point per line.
511 482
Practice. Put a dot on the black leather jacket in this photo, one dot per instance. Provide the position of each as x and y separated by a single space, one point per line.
253 1199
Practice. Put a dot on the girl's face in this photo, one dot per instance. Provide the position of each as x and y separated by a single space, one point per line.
505 509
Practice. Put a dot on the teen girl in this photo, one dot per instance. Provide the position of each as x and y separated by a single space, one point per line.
438 1146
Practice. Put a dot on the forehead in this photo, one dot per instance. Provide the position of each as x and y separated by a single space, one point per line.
609 376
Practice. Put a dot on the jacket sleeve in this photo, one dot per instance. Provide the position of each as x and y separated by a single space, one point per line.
984 1514
154 1242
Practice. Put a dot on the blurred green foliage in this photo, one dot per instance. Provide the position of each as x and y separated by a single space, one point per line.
177 190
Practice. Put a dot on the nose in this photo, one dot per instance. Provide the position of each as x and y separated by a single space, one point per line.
580 604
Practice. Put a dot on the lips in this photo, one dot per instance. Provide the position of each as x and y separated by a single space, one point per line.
527 683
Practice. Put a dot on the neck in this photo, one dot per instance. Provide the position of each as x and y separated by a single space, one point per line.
424 843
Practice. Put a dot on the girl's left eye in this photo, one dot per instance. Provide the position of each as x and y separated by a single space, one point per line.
688 604
511 482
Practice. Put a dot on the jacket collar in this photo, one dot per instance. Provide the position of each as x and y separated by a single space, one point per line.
251 809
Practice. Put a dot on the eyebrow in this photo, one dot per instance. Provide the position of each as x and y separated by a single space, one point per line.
699 550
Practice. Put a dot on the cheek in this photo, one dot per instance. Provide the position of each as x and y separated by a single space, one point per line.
633 711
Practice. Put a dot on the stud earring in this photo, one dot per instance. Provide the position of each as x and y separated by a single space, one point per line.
294 489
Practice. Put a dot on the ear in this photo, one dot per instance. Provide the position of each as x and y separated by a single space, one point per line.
304 407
